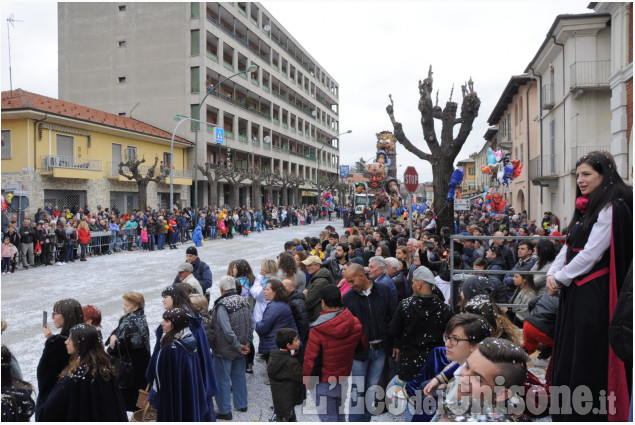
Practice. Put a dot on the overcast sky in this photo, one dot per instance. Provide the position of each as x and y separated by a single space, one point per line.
371 49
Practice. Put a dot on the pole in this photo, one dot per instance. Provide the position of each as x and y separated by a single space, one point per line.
182 120
410 215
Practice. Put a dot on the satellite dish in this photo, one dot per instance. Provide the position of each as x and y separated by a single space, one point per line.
267 28
314 113
267 139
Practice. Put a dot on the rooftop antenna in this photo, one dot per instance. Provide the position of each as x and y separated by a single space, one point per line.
10 20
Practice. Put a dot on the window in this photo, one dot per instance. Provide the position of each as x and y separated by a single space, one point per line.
6 144
522 154
195 113
166 159
131 153
509 126
122 8
122 114
516 115
195 9
122 79
65 150
195 80
520 109
470 171
516 153
195 39
122 43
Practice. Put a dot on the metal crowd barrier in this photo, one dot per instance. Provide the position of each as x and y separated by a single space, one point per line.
456 282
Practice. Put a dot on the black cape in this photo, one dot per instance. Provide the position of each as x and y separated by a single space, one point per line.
82 398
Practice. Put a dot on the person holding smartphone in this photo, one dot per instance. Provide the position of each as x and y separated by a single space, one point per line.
66 314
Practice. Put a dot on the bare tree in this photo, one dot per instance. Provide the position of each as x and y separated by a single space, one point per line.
443 154
296 182
257 177
270 179
212 175
234 176
141 180
325 183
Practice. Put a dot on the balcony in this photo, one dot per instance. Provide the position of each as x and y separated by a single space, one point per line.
71 167
548 101
590 75
545 171
212 56
578 151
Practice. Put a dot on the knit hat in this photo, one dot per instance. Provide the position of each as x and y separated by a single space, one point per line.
191 250
178 317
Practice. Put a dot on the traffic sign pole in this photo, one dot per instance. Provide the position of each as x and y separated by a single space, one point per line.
411 181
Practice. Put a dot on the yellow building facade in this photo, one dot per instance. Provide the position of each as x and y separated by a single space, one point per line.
67 154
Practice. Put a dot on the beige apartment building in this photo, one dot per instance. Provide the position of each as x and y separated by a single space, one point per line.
515 117
152 61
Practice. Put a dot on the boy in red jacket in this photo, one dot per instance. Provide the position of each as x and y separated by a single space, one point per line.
333 340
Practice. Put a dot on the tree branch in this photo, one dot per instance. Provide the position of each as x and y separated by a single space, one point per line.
401 136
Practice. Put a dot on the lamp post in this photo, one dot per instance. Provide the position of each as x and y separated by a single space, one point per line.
210 90
182 119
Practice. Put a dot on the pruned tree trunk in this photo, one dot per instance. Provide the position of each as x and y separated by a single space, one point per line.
443 154
143 194
212 180
141 180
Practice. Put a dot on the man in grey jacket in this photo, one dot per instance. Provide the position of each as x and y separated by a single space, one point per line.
232 328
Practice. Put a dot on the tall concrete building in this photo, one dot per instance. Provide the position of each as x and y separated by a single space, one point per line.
152 61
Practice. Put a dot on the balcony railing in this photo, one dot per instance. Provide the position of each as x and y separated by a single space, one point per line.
546 167
61 161
578 151
242 138
212 56
590 75
548 101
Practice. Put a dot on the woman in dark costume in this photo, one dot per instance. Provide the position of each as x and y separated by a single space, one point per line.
588 274
87 390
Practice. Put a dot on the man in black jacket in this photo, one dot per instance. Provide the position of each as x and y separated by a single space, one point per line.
374 305
27 236
335 265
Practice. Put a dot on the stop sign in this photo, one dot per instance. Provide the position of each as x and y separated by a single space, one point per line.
411 179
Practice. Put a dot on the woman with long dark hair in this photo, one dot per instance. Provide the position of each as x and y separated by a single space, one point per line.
545 250
87 390
66 314
588 274
244 277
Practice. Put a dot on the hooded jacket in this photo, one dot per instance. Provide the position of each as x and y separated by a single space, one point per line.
285 377
334 339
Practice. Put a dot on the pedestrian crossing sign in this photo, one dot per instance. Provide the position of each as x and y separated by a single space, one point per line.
220 135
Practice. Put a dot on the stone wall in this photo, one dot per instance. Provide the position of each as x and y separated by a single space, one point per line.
97 190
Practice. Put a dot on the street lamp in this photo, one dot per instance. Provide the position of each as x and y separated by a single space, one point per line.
182 119
252 68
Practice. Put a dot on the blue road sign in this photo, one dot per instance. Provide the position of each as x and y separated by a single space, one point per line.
344 170
220 135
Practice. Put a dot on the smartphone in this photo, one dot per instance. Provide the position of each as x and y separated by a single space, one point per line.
44 318
430 244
